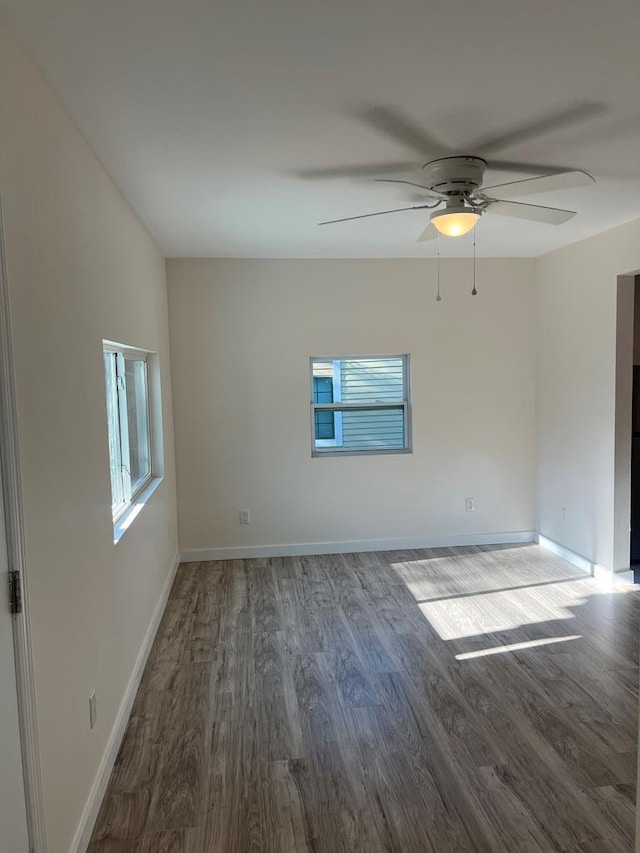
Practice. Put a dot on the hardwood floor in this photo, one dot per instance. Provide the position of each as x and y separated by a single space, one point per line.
463 699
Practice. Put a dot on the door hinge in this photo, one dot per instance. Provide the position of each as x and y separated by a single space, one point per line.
15 592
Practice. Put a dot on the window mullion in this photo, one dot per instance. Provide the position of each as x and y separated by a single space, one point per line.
345 407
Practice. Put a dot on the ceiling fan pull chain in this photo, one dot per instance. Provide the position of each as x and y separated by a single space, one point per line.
474 291
438 297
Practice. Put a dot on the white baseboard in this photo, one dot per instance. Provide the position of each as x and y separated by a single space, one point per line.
299 549
90 812
625 577
600 573
566 554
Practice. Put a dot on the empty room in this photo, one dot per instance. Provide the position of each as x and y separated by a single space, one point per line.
319 426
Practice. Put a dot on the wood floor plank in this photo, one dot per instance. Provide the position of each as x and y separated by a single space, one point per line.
110 846
369 635
316 701
272 708
354 686
122 817
179 785
170 841
453 700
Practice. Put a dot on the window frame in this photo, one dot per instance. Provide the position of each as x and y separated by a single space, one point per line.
327 447
122 514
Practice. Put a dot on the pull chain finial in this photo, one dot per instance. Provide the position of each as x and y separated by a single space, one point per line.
438 297
474 291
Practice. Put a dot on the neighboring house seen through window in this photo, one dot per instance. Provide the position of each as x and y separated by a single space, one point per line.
323 393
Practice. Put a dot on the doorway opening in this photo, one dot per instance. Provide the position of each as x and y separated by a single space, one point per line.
634 555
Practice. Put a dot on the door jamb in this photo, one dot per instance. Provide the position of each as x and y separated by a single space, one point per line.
14 522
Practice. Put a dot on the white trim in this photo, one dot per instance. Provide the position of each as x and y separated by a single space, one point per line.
600 573
566 554
335 446
622 578
134 353
623 421
92 806
515 537
308 548
14 519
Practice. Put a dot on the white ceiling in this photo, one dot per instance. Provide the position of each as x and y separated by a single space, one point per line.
207 113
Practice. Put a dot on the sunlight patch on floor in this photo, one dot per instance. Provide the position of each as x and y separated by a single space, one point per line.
516 647
490 612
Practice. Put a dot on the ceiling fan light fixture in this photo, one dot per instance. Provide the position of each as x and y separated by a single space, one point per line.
455 221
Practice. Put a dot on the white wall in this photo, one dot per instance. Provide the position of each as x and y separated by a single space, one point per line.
81 268
576 318
242 332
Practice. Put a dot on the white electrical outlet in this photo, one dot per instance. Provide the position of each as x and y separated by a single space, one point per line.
563 512
470 504
244 516
93 713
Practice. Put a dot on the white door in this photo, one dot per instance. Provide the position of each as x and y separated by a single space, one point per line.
13 816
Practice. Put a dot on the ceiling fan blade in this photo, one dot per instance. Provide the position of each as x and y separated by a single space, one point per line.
369 170
525 168
425 190
543 184
393 123
429 233
539 127
533 212
379 213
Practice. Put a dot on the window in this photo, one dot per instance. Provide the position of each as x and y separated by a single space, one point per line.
129 420
360 405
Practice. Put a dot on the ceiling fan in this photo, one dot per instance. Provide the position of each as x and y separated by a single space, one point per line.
454 183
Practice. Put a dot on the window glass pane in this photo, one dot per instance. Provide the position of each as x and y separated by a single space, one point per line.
373 429
371 380
138 421
325 427
113 424
322 369
322 389
365 429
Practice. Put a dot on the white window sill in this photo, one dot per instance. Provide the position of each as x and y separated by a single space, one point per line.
316 453
125 521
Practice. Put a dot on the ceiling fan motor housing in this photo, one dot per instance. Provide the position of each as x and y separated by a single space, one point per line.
455 175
